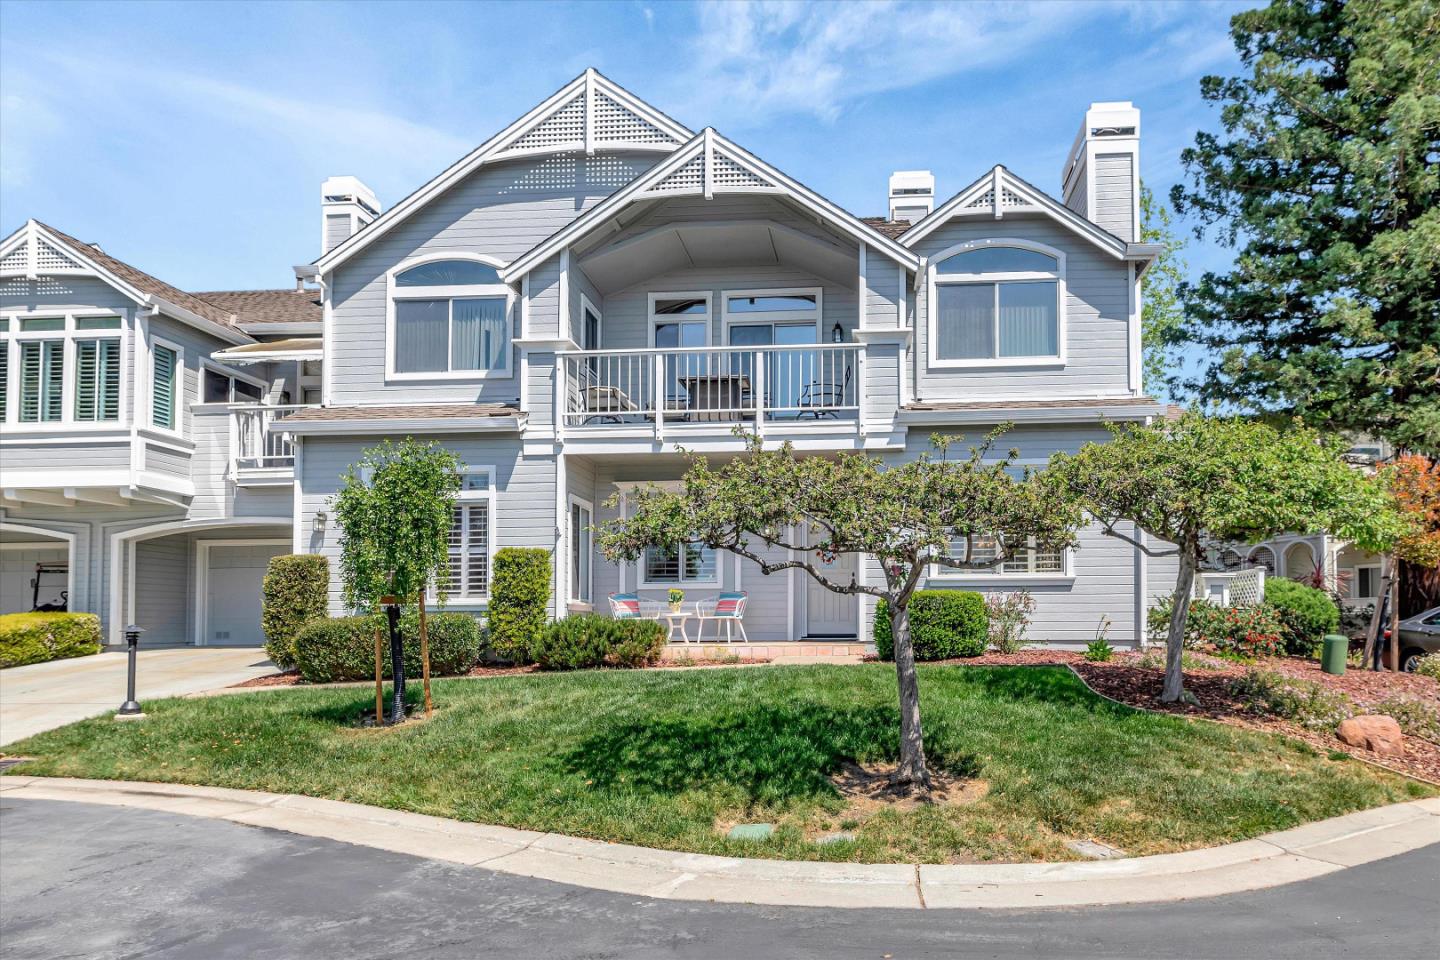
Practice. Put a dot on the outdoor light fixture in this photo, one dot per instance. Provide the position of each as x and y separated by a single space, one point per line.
837 335
130 709
319 522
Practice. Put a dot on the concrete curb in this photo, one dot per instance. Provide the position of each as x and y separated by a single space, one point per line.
1299 854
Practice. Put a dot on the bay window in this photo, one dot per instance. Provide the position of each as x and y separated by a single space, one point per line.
449 318
998 302
65 368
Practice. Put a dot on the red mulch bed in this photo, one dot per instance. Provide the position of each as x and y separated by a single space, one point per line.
1123 679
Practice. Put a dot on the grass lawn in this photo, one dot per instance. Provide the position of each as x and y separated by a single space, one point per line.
665 758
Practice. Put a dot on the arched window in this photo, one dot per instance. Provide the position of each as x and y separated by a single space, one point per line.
997 302
1263 557
449 317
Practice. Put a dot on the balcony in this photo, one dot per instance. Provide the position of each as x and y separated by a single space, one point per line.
261 456
710 389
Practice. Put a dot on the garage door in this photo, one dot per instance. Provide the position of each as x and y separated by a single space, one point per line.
232 593
17 569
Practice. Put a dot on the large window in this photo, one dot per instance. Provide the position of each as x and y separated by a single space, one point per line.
449 318
769 318
582 549
679 563
998 302
1023 561
61 369
471 536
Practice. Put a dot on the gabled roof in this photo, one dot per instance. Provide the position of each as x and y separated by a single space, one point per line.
268 306
590 113
709 164
40 250
1000 192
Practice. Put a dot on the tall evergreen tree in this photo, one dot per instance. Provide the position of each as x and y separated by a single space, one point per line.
1325 179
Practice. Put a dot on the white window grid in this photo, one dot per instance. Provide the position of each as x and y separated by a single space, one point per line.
70 334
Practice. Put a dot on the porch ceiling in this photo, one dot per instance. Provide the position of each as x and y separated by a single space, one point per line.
688 245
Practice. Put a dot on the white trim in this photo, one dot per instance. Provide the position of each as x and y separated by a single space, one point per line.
450 292
68 334
656 319
772 317
1134 344
65 536
933 279
585 305
495 149
327 341
572 502
402 425
202 580
178 399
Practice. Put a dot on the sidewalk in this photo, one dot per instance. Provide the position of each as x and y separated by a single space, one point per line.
1279 858
44 696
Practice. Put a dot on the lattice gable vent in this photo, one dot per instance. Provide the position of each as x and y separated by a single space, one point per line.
48 258
596 117
16 260
563 129
617 123
34 256
982 202
727 173
689 178
1009 198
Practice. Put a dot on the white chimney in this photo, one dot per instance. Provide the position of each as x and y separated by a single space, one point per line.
346 205
1101 179
912 194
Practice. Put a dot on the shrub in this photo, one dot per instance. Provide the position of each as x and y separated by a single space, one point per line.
1305 614
343 648
1305 702
943 624
1429 666
1009 615
519 594
295 591
38 637
1245 632
590 640
1416 717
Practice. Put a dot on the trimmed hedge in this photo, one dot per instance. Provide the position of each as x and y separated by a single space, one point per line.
38 637
519 595
1305 614
295 592
943 624
590 640
343 648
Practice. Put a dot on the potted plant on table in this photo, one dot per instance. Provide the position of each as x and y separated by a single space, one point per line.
676 597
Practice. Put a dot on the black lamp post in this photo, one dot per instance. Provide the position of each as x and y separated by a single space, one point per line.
131 707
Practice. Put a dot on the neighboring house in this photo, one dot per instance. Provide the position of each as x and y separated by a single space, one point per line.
565 307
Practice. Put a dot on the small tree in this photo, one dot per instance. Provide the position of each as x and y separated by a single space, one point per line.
1187 483
782 512
395 512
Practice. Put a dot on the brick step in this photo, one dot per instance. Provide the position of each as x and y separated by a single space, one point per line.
777 650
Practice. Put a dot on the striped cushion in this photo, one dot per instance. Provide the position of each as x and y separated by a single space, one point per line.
624 606
729 604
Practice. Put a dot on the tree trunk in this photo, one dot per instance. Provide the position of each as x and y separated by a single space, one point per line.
1175 641
1395 616
425 655
397 665
912 774
379 682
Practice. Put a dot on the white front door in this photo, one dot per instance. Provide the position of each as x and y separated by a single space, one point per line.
232 593
827 613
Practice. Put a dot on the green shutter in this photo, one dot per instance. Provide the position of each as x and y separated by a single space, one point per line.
97 379
42 380
164 391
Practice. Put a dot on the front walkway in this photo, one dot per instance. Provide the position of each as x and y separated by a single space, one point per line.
43 696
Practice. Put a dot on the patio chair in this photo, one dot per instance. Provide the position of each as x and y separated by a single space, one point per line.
625 606
729 609
820 398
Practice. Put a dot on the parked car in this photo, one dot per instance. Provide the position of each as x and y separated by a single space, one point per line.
1419 635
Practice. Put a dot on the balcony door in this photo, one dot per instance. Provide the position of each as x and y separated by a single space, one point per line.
779 319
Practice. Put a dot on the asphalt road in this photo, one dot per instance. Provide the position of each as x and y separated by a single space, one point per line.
82 880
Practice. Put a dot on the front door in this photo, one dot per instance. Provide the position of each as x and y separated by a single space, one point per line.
827 613
232 593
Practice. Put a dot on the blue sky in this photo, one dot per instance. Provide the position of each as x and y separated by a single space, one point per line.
191 139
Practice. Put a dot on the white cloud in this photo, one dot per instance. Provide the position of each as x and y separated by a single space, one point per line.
759 59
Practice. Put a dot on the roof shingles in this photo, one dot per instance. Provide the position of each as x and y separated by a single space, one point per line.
268 306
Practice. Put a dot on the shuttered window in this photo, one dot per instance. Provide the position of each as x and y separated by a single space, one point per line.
163 389
469 540
97 379
42 380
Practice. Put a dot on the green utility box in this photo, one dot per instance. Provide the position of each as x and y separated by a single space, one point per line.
1333 653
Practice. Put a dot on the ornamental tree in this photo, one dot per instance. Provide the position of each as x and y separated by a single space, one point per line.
785 512
1169 488
1415 481
1324 179
395 511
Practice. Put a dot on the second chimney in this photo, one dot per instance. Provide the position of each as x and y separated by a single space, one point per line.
912 194
1101 180
346 205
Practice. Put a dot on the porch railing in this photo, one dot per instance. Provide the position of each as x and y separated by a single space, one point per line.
809 382
257 445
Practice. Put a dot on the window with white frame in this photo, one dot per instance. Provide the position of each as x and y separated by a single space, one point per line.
679 320
998 301
449 318
222 387
67 368
1023 561
167 372
472 536
582 548
1365 584
679 563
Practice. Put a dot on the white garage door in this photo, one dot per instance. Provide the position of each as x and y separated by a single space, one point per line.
232 593
17 569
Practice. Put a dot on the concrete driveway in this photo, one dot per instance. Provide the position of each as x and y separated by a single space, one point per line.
43 696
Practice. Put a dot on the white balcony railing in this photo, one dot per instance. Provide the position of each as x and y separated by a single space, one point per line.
810 382
258 447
